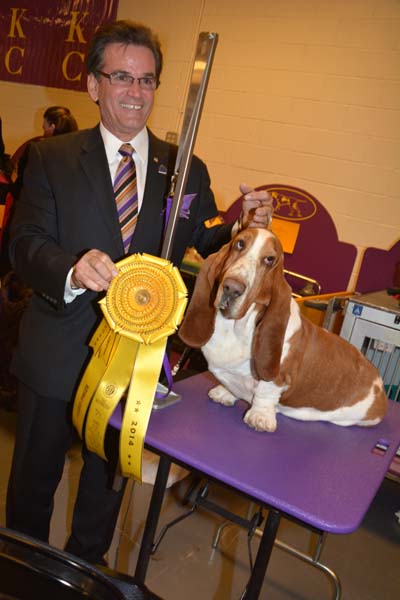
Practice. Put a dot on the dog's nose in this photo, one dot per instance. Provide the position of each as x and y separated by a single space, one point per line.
233 288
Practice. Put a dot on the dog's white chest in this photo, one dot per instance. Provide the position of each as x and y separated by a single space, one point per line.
230 344
228 353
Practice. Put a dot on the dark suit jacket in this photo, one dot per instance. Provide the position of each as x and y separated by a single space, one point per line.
66 208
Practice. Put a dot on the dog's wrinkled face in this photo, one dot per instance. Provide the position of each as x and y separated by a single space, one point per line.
245 277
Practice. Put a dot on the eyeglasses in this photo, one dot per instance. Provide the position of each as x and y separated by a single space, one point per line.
124 80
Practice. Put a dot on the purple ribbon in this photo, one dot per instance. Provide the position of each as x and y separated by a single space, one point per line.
184 214
185 208
168 374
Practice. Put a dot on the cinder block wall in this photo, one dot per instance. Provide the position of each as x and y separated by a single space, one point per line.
304 92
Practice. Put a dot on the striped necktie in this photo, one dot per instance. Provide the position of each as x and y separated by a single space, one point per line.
125 192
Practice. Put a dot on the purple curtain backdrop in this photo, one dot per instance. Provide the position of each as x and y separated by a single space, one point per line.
45 42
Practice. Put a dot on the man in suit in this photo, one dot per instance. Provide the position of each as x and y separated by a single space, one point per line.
65 241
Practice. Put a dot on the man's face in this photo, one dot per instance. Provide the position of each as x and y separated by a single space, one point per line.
124 111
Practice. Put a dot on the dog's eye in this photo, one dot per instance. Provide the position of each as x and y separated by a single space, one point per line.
269 260
239 244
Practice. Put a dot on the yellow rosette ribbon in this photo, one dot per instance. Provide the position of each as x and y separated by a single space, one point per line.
144 304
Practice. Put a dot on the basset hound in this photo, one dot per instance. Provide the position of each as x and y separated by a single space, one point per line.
261 348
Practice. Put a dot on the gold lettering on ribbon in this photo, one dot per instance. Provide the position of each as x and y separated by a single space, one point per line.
75 27
7 60
16 16
64 66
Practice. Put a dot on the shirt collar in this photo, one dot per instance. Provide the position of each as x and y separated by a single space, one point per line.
112 144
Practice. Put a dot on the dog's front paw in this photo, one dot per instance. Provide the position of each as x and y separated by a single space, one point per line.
221 395
261 419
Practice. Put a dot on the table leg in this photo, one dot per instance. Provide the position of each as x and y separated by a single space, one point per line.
254 585
152 518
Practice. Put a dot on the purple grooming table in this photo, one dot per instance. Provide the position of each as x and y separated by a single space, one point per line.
321 474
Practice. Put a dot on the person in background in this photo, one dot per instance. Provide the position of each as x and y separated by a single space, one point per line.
65 241
13 297
57 120
6 192
6 173
6 169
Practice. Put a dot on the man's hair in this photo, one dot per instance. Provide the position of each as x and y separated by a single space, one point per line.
122 32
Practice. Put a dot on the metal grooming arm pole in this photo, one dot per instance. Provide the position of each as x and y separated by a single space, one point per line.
205 51
203 59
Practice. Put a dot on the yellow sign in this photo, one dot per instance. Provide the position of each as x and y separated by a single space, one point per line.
287 232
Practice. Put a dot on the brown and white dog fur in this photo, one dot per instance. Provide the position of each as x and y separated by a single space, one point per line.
263 350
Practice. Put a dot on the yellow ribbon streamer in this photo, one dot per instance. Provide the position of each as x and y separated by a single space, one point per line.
109 392
138 407
144 304
103 343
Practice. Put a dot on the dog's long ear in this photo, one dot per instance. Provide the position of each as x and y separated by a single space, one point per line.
270 330
198 324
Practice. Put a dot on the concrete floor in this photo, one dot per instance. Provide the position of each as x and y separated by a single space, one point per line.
186 566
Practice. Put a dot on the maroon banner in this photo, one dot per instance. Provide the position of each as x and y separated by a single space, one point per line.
45 42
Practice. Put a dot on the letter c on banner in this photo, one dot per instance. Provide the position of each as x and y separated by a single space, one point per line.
8 60
65 66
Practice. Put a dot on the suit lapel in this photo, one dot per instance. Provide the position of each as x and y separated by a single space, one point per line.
94 163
